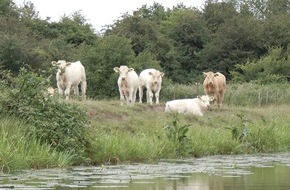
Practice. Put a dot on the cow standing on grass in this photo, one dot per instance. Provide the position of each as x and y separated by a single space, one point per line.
194 106
128 84
152 80
70 75
215 85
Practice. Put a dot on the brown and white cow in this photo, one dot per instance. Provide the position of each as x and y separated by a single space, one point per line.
194 106
70 75
215 85
128 84
152 80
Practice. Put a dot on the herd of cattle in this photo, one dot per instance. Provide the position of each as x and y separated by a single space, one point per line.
71 74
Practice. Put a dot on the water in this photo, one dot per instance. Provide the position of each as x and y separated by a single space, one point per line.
243 172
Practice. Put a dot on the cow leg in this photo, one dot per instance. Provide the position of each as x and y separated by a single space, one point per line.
76 90
218 100
140 93
60 90
84 88
130 98
121 96
67 91
157 96
149 95
134 95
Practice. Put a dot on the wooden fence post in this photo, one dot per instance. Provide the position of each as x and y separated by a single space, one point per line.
259 98
267 97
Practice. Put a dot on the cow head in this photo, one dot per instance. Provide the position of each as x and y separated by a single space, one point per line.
209 77
206 100
156 76
123 71
61 64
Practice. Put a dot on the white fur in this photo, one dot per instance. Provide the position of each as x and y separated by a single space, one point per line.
127 83
152 80
70 75
195 106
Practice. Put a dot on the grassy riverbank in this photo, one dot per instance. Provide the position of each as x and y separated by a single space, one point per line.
144 132
50 132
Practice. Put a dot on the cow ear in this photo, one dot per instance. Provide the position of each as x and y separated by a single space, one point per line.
204 74
131 69
116 69
53 63
216 74
161 74
211 98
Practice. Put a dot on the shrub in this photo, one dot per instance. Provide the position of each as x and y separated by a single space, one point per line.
62 125
178 135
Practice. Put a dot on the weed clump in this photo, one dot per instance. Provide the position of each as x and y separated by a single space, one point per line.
178 136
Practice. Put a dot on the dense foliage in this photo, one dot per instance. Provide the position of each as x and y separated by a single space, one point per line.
64 126
227 36
246 40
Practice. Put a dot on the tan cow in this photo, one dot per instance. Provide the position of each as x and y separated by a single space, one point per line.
215 85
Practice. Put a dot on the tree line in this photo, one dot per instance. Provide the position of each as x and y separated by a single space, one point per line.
247 40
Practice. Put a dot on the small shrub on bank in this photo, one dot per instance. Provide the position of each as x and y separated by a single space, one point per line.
62 125
178 136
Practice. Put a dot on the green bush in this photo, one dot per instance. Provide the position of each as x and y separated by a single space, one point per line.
62 125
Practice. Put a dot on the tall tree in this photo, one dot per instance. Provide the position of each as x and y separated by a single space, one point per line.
236 41
217 13
187 30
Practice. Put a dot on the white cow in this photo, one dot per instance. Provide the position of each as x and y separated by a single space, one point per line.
152 80
128 84
195 106
70 75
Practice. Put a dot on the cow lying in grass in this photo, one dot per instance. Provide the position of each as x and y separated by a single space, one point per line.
195 106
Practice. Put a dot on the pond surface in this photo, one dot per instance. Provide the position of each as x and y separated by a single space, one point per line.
241 172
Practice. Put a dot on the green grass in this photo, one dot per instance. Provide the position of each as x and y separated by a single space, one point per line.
18 152
139 133
144 133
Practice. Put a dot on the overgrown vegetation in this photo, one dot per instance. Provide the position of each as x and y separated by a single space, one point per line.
232 37
20 151
61 125
178 136
250 47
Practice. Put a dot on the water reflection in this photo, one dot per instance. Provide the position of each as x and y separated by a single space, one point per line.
259 172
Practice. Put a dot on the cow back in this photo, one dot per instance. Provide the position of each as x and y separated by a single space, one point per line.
74 73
